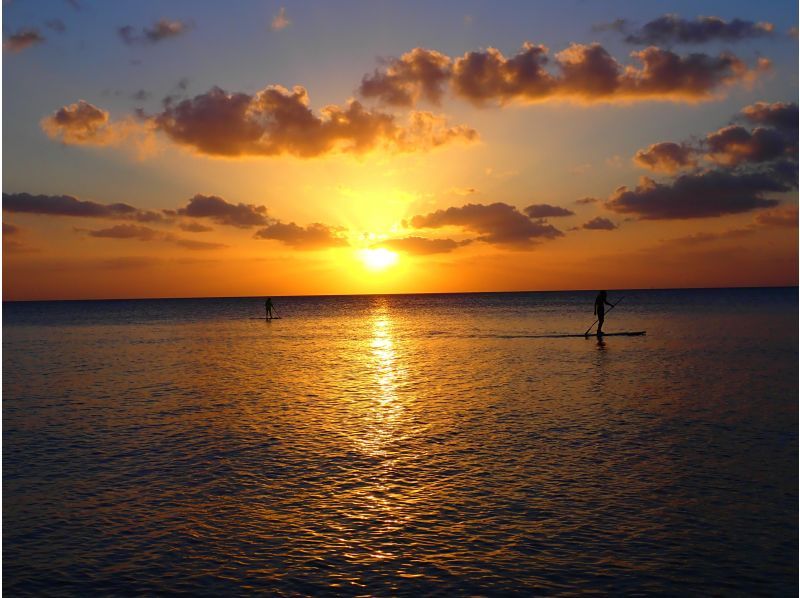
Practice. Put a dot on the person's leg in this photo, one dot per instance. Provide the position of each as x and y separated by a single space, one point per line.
600 324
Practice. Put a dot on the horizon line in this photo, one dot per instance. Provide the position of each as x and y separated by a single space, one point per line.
261 296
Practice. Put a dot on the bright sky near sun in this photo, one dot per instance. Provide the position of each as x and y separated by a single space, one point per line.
188 148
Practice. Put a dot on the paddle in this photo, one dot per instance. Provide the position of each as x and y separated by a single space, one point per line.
598 319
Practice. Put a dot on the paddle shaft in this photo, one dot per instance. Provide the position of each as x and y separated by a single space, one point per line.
598 319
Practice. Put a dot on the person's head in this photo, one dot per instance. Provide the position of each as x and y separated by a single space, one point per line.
602 294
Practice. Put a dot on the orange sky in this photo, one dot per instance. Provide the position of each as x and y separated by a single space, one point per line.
573 158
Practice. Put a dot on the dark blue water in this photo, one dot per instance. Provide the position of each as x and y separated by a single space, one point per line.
389 445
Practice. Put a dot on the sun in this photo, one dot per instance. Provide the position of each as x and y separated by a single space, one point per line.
378 259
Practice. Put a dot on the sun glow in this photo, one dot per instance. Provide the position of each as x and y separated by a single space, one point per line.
378 259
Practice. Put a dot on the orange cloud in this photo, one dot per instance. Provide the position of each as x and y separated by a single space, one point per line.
314 236
666 157
586 73
272 122
24 38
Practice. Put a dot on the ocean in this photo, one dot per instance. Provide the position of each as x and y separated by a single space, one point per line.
403 445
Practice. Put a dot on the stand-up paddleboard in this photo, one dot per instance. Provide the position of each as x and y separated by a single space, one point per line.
635 333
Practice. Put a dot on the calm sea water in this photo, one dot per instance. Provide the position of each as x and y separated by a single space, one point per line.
396 445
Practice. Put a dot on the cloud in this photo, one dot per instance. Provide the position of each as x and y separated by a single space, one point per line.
697 195
83 123
127 231
24 38
780 115
583 73
599 223
704 238
734 144
417 74
280 21
463 190
194 227
422 246
666 157
144 233
787 217
56 25
314 236
670 28
198 245
222 212
497 223
585 201
10 229
67 205
161 30
544 210
617 25
277 121
141 95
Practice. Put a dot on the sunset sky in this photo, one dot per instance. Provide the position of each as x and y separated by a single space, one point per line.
185 148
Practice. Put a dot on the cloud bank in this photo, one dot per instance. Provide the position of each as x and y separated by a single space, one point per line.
274 121
585 73
67 205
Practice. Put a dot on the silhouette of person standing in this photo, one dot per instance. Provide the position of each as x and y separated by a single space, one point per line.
600 310
268 308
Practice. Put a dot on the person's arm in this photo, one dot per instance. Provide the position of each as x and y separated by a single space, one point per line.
607 303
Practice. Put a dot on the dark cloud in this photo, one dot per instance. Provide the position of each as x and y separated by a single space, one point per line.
144 233
422 246
141 95
161 30
780 115
194 227
585 201
586 73
314 236
670 29
24 38
599 223
544 210
697 195
10 229
127 231
667 157
497 223
67 205
277 121
734 144
56 25
198 245
220 211
419 74
617 25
